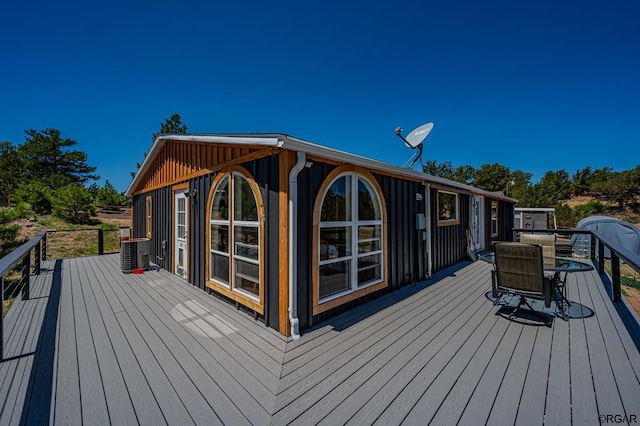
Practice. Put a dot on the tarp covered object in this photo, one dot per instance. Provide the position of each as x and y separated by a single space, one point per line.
616 232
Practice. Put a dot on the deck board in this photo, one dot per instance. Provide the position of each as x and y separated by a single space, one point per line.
200 340
94 403
96 345
583 398
116 393
143 399
366 356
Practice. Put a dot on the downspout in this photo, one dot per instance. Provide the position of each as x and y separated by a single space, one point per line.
428 246
293 244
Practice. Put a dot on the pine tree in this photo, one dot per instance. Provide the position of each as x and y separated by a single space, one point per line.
49 159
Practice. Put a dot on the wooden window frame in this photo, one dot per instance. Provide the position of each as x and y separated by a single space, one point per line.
448 222
346 296
148 216
494 207
228 290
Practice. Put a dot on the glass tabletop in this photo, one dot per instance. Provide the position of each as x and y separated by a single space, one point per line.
563 264
569 264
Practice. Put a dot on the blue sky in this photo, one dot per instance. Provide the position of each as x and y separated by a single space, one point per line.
538 85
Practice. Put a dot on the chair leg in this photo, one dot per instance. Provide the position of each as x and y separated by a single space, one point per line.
523 301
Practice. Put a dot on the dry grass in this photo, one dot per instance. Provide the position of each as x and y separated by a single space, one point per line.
77 243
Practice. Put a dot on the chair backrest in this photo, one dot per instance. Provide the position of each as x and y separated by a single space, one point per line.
519 268
548 243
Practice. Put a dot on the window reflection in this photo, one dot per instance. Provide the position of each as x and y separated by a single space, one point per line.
368 205
336 206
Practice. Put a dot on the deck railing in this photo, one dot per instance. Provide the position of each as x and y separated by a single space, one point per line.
19 263
17 267
100 232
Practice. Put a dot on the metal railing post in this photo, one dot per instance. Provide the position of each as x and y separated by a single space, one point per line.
593 247
26 276
600 257
615 271
36 261
100 241
44 247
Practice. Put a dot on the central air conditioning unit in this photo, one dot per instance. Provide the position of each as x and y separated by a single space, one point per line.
134 254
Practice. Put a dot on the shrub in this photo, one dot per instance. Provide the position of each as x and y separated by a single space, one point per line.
109 196
36 194
565 216
9 233
591 208
73 203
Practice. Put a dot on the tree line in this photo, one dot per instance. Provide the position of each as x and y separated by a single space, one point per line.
46 174
620 188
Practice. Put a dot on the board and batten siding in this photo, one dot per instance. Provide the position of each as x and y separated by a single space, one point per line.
265 173
505 222
449 242
404 245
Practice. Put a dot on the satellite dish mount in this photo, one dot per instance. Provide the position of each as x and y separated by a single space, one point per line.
415 141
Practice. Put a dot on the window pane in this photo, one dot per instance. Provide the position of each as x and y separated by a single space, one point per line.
369 238
368 205
220 238
246 242
247 277
335 278
447 206
220 267
369 269
220 206
336 206
244 203
335 242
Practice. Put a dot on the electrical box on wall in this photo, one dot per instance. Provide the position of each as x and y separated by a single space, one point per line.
421 223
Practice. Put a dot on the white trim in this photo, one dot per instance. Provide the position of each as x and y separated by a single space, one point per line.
354 224
293 245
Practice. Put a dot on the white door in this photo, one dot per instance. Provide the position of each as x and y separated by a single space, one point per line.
477 221
180 234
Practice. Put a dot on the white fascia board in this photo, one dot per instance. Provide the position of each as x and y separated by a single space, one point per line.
535 209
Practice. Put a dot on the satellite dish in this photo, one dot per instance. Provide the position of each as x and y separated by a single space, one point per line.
414 140
418 136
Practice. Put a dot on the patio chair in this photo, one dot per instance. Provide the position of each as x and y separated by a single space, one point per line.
519 271
548 243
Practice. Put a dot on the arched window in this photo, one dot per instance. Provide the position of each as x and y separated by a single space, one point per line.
235 238
350 236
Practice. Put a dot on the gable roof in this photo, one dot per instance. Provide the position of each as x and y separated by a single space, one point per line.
283 141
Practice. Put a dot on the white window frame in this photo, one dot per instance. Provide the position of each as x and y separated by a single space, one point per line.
354 224
231 226
148 204
494 218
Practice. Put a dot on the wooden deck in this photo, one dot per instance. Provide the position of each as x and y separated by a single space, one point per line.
94 345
